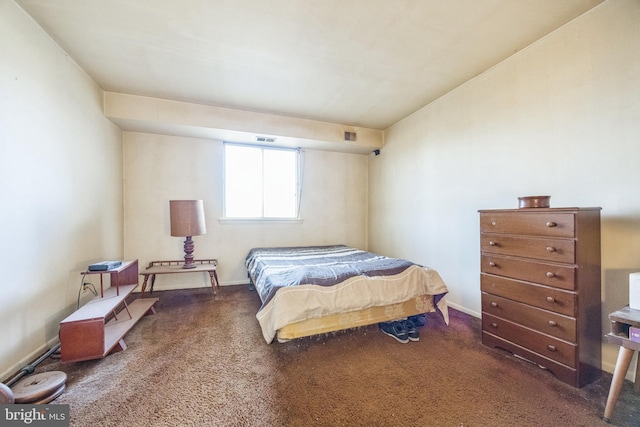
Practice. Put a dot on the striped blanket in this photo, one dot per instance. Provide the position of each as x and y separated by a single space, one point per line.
298 283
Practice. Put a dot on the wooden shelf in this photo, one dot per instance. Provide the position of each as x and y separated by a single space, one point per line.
86 334
115 329
100 307
125 274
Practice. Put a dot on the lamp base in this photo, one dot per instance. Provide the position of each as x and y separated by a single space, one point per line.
188 253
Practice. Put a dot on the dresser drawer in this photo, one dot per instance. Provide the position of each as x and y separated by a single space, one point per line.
548 298
529 223
544 321
555 275
553 348
543 248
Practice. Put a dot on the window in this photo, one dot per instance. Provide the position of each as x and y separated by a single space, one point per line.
260 182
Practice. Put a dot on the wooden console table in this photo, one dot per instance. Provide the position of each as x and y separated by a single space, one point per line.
174 267
621 321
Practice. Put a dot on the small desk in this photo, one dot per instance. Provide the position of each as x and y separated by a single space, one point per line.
621 320
175 267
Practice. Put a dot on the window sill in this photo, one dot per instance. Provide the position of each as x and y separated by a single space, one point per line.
262 221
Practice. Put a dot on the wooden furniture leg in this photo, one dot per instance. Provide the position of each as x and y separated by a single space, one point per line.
619 373
213 276
126 307
144 285
636 382
153 282
121 346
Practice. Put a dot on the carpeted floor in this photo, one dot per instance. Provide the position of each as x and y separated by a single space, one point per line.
203 362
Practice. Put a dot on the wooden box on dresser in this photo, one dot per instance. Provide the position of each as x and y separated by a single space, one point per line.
540 282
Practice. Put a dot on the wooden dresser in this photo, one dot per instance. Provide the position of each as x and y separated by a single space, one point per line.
540 282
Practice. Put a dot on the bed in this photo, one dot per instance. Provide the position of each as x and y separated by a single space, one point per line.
318 289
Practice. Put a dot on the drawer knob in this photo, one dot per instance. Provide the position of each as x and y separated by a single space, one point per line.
494 325
552 323
551 274
551 224
551 299
551 347
493 223
551 249
492 243
494 304
492 264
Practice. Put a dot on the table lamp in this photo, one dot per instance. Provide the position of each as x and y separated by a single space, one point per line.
187 220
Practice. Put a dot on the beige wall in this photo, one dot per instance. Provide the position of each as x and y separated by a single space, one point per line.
160 168
61 198
558 118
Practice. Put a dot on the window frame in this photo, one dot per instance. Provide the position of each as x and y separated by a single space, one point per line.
262 219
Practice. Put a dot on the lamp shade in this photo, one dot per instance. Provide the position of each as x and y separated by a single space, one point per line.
187 218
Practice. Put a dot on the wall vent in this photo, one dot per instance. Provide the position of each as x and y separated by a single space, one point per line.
265 139
349 136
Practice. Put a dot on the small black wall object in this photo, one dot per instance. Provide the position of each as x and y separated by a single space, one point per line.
376 152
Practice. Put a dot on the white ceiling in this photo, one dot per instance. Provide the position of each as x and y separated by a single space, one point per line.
366 63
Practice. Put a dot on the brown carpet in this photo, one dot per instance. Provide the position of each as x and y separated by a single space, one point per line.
203 362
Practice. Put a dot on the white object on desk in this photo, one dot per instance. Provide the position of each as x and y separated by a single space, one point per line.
634 291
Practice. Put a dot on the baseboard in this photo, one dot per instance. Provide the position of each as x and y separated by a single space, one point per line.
236 282
464 310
